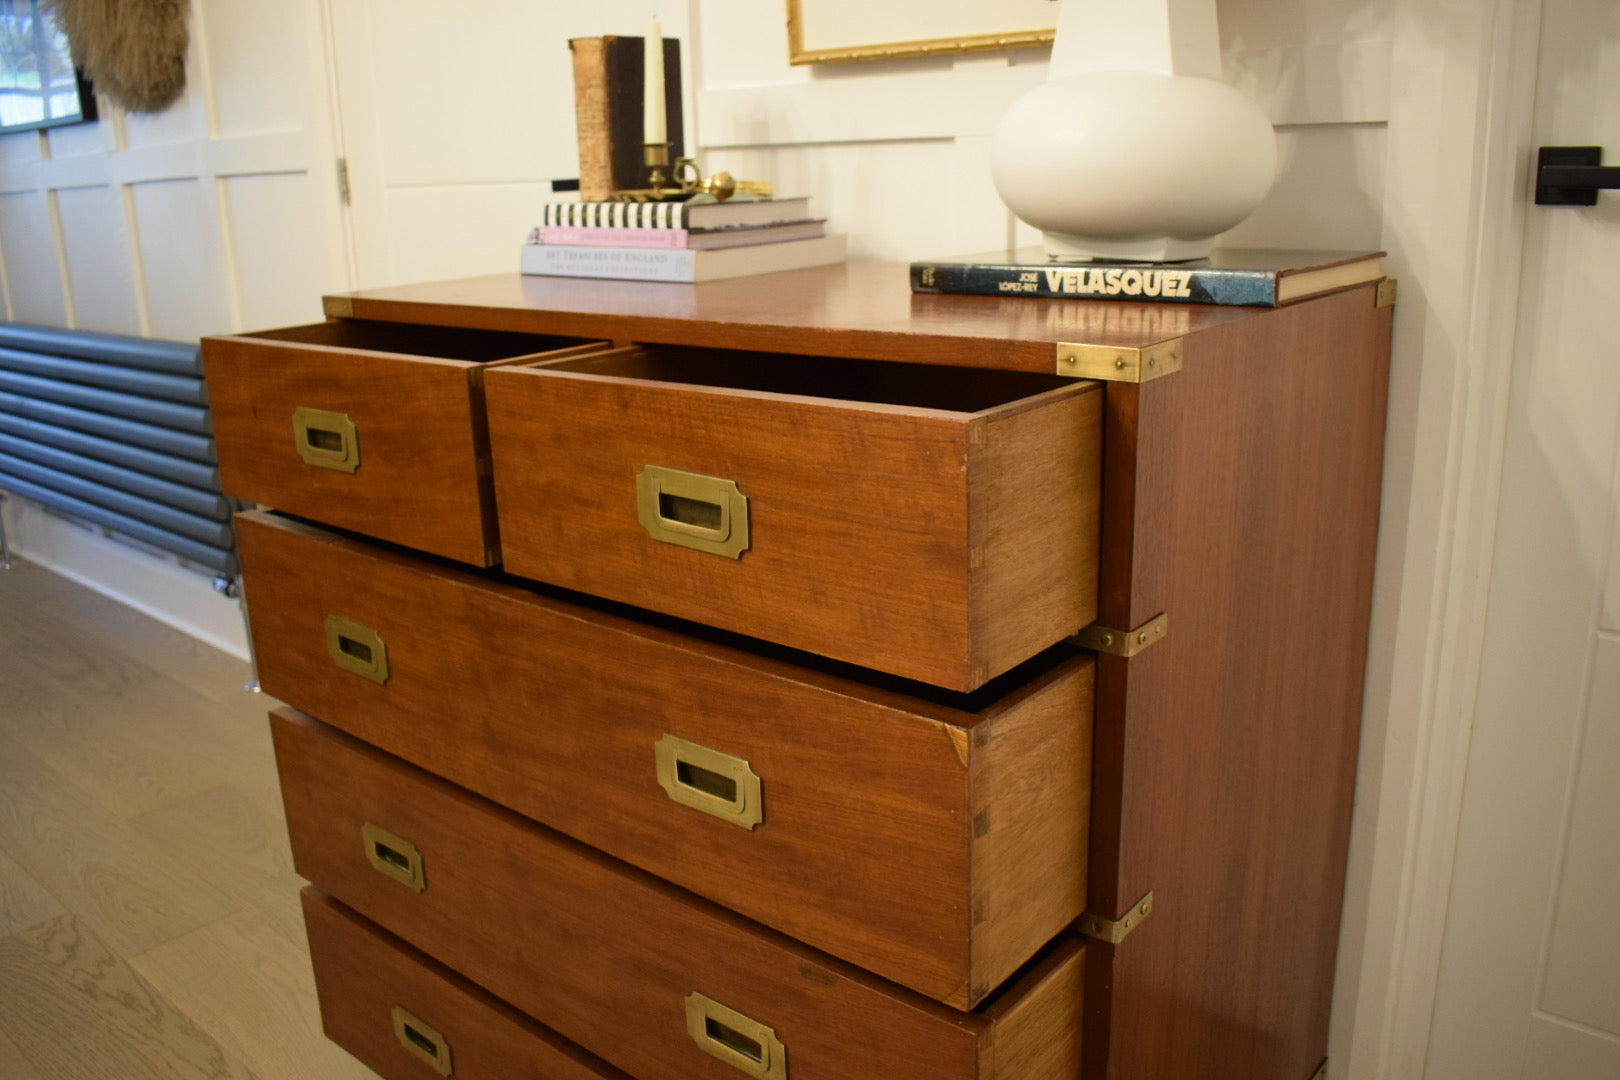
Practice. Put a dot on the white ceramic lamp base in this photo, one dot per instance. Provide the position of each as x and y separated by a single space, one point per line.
1146 163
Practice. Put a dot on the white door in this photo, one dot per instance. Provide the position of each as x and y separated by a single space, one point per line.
1529 984
455 119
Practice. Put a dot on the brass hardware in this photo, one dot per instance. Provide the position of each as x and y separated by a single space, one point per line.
1126 643
687 179
326 439
704 513
735 1039
422 1042
1117 930
1116 364
357 648
1320 1074
710 781
394 856
337 307
1383 298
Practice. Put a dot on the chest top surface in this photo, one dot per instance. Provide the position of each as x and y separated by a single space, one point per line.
856 309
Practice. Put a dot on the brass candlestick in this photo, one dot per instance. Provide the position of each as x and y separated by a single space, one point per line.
685 181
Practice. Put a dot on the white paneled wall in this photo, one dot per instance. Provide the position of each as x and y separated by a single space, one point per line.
217 214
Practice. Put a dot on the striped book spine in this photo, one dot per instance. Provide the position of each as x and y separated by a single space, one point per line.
617 215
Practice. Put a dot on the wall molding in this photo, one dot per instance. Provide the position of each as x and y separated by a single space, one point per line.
1455 201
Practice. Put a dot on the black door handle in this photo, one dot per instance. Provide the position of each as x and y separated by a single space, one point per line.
1572 175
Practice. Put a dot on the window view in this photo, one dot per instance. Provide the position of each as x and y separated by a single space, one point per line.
38 86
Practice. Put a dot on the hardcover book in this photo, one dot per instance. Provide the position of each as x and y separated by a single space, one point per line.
697 239
609 102
700 212
679 264
1245 277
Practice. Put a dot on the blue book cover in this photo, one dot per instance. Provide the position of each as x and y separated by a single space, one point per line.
1243 277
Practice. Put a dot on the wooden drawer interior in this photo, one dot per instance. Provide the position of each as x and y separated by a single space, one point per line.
939 524
373 426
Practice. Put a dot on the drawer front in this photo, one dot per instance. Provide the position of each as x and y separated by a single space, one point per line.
662 985
407 1017
939 848
376 427
945 541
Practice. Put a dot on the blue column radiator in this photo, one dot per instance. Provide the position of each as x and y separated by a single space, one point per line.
115 430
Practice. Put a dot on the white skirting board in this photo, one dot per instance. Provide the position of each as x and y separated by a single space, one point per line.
155 584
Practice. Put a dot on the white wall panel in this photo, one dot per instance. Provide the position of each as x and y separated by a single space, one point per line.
33 271
257 67
100 268
280 273
1328 194
185 292
446 232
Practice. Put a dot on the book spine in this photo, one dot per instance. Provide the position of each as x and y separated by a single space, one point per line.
1239 288
614 215
628 238
635 264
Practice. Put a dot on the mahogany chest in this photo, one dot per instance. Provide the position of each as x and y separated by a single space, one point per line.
798 677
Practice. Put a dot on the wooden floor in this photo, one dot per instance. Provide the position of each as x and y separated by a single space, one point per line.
149 923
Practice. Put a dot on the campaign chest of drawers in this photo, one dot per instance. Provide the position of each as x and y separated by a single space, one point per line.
798 677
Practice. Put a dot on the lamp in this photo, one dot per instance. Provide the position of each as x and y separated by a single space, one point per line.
1133 149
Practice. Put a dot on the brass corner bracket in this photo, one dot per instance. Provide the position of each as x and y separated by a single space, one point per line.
1126 643
337 307
1320 1074
1114 363
1383 298
1117 930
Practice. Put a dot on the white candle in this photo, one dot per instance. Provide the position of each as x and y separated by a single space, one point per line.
654 129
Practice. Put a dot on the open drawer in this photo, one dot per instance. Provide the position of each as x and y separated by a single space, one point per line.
371 426
939 524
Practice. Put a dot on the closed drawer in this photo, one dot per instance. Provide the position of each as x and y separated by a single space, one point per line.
372 426
937 845
661 984
937 524
398 1011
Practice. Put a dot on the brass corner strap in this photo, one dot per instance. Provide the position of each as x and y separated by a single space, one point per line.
1383 298
1320 1074
1117 930
1126 643
337 307
1114 363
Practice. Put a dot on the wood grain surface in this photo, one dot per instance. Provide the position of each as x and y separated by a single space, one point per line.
856 309
363 973
601 953
148 914
1242 500
415 399
936 846
895 534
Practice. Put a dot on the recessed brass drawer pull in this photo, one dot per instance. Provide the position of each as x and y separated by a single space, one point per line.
358 648
735 1039
326 439
710 781
690 510
422 1042
393 856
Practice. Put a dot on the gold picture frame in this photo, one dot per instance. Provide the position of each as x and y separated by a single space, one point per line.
840 31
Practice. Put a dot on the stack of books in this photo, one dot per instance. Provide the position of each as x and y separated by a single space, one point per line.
696 240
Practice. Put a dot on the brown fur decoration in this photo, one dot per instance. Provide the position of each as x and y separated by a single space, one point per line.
133 51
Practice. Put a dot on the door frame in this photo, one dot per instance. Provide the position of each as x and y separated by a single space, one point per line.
1459 170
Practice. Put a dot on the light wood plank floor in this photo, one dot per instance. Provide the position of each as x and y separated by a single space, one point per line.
149 923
